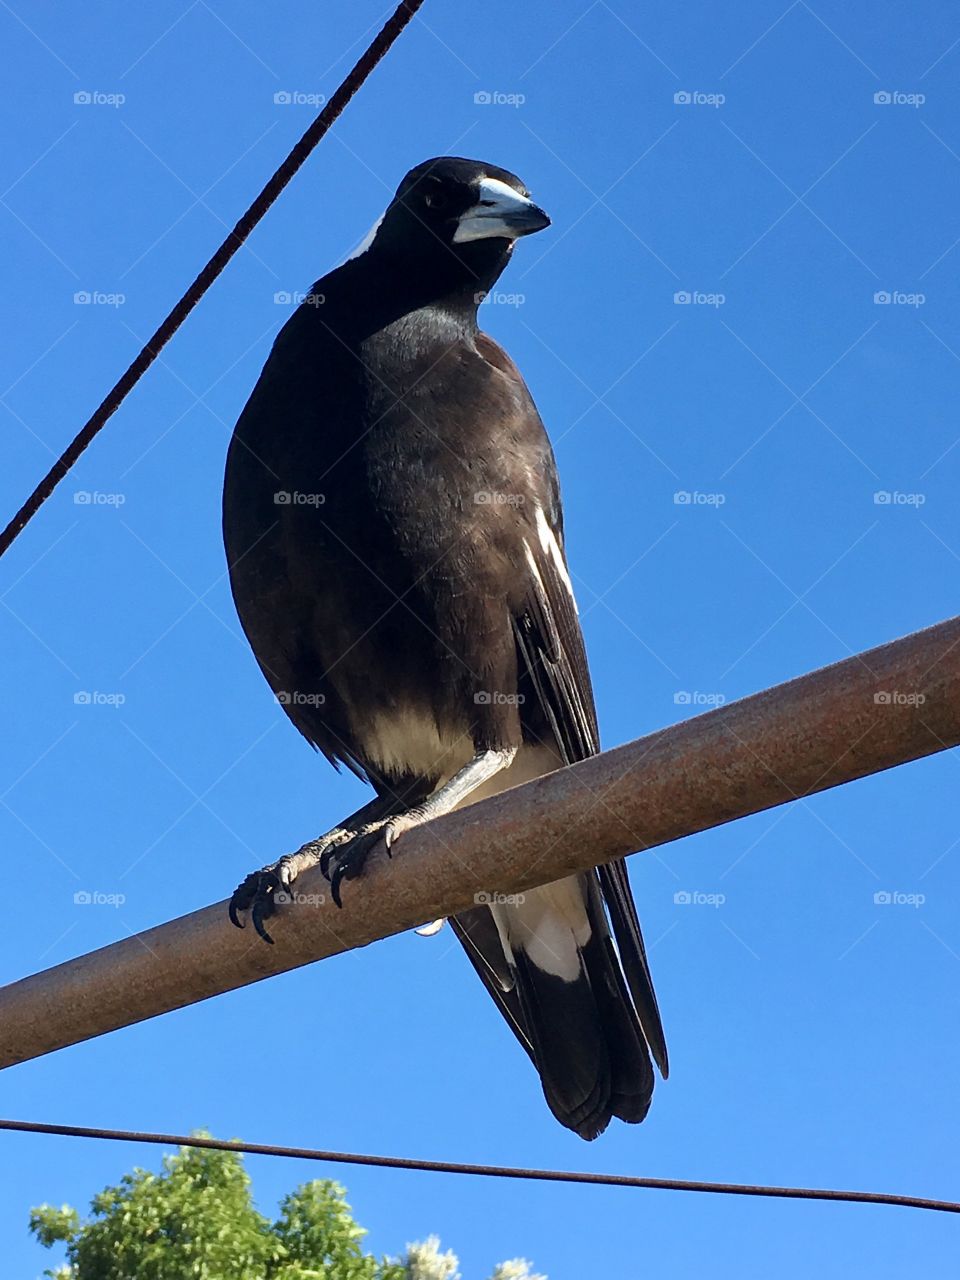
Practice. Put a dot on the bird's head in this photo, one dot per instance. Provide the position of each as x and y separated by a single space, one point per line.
451 227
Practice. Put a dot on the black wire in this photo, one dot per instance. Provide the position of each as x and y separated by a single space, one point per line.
154 345
483 1170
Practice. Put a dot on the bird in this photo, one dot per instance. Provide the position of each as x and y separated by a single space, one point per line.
394 535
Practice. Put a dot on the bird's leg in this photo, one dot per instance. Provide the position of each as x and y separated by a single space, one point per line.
483 766
261 890
348 858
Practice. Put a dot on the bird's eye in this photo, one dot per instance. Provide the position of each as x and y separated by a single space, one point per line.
435 200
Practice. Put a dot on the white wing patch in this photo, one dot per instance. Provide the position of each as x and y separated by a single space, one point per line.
551 546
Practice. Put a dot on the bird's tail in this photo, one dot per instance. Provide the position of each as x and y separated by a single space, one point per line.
564 989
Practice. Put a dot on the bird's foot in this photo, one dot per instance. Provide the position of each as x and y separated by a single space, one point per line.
395 827
264 890
346 858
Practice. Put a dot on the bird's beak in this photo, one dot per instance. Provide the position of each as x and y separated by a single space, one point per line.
500 211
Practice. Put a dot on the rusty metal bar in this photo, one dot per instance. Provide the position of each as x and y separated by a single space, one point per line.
870 712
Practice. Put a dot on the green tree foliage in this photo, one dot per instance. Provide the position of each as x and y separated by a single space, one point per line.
196 1221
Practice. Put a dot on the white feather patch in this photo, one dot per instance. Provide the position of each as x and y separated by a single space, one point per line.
551 546
408 740
367 240
549 925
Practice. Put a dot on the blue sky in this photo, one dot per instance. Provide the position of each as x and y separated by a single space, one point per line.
812 1030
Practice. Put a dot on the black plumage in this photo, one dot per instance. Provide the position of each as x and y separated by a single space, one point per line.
394 533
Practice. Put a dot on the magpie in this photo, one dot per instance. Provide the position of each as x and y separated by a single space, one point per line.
394 536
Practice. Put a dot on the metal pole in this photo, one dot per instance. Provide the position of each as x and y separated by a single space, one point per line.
868 713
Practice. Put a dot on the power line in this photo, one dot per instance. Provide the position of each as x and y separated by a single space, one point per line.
484 1170
234 240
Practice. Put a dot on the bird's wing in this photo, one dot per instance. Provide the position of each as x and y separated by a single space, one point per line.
551 647
554 678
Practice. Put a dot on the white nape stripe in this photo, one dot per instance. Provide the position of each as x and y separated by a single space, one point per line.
551 546
367 240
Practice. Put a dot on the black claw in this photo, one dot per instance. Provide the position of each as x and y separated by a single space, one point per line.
339 872
256 895
262 907
349 860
